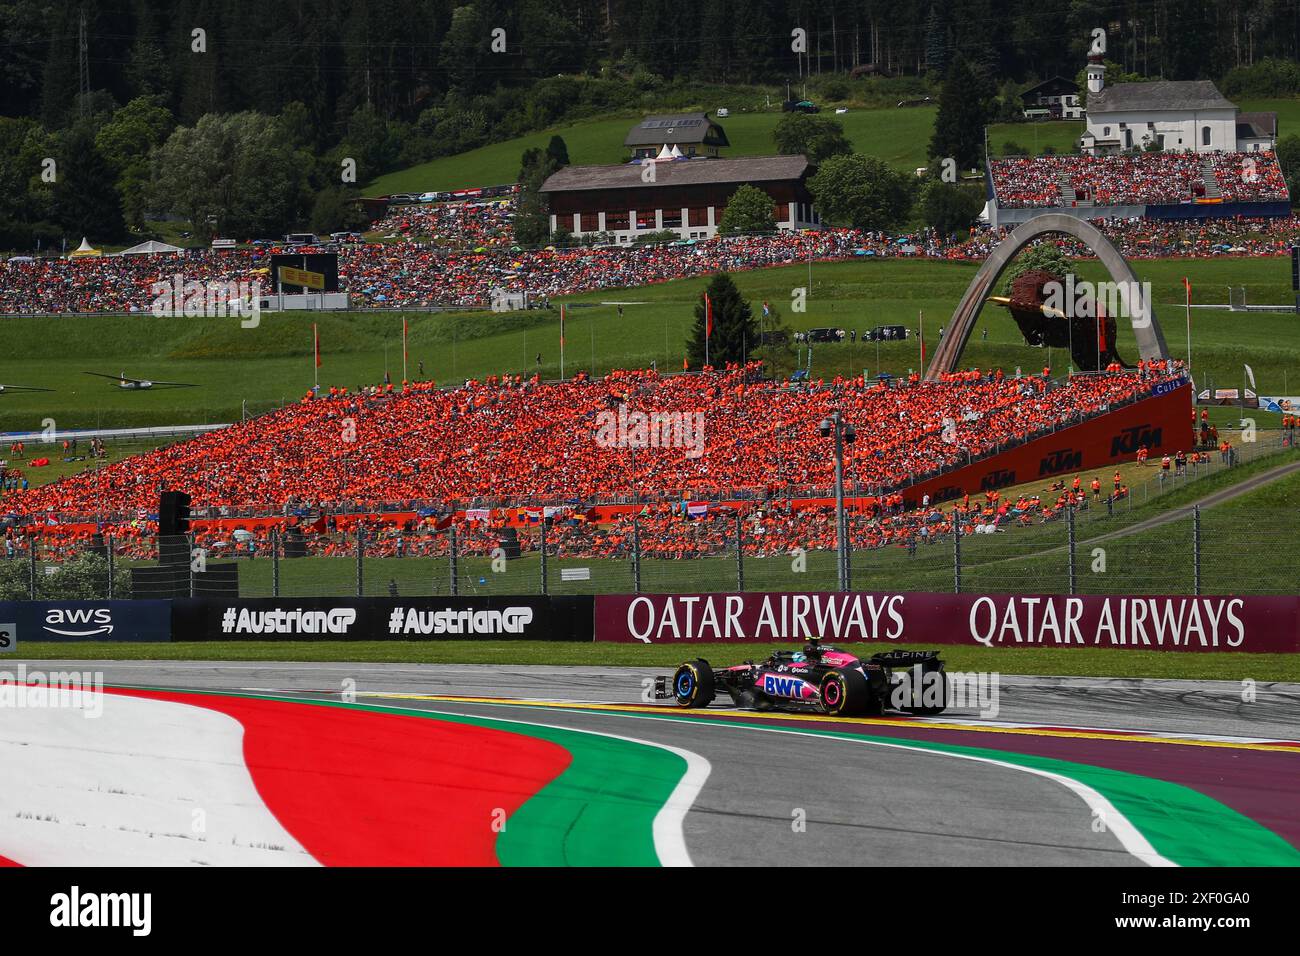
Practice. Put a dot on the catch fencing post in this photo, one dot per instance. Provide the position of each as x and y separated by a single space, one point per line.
1069 515
740 555
191 561
636 555
109 554
451 565
848 552
361 552
545 584
31 566
1196 550
275 562
956 554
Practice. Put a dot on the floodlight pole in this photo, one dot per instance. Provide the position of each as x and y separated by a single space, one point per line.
835 427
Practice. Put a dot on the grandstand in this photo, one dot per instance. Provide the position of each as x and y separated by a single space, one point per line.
456 255
1160 185
510 443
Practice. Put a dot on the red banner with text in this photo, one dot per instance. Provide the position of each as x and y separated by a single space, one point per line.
1249 623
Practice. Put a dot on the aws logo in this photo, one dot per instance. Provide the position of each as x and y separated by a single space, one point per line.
1066 459
79 622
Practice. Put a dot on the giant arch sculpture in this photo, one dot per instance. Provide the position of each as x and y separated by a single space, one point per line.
1150 340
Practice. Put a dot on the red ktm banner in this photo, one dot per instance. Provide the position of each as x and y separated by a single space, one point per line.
1159 422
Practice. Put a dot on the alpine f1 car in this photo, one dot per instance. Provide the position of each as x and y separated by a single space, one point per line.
820 678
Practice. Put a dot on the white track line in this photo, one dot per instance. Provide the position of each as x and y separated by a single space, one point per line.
1129 837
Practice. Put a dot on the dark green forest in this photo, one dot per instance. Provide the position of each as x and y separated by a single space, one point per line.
402 58
238 116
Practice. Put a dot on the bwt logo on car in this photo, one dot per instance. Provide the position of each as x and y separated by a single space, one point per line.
88 622
1064 459
777 686
512 620
297 621
1131 439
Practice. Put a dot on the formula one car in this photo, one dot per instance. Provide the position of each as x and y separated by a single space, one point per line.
819 678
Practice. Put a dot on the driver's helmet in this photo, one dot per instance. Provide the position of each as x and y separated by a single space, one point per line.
798 657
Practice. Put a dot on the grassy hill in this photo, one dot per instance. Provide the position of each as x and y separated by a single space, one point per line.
272 364
901 137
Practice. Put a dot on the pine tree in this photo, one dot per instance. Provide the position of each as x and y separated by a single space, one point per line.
963 112
558 150
735 333
85 204
936 44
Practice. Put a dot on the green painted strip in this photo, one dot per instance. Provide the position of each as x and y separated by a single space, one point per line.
599 812
1182 824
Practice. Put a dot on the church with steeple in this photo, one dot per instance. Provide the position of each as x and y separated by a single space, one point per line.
1176 115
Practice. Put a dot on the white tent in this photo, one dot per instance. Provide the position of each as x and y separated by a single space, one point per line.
86 249
664 154
677 153
150 248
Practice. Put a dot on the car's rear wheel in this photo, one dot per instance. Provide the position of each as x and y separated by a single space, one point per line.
934 699
693 684
845 693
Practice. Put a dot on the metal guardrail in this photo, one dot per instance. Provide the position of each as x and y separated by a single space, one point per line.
116 434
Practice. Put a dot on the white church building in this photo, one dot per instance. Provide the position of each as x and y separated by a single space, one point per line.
1178 115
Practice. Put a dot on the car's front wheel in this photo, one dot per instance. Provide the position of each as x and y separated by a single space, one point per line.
693 684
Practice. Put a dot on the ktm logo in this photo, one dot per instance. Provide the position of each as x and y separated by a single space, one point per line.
1131 439
998 479
1066 459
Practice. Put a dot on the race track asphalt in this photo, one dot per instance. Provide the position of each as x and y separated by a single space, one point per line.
861 800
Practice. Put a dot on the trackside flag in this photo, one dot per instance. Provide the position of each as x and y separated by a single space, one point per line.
404 340
315 343
1250 374
1187 284
921 319
708 316
561 325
